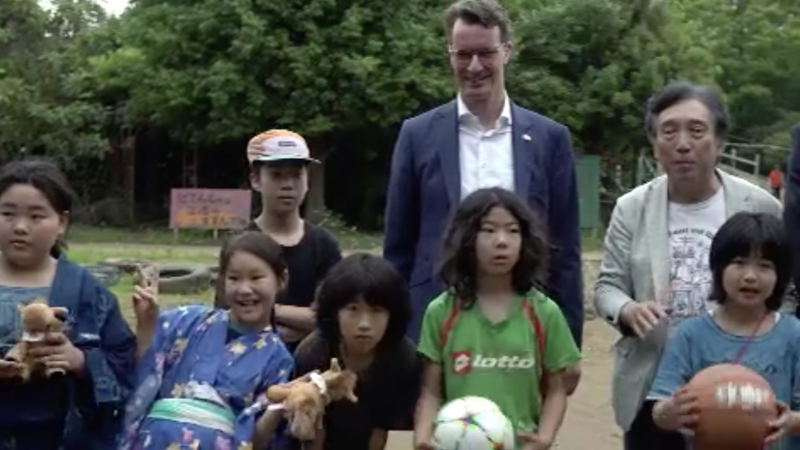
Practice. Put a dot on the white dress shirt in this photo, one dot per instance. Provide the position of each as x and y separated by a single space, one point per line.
486 157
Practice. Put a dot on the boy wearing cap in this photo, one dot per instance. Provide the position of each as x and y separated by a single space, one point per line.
279 163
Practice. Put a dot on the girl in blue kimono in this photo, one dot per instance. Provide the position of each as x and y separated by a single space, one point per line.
81 410
203 376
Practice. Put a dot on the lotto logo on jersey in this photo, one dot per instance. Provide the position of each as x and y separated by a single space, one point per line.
464 362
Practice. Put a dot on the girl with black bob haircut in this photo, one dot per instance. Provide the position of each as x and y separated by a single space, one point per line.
752 233
493 332
363 309
751 263
80 406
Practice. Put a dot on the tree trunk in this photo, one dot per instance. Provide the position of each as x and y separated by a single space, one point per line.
315 209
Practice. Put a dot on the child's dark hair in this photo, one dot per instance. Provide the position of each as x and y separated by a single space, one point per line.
361 276
459 262
255 243
48 179
746 234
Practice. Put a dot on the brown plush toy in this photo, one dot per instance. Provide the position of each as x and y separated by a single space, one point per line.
38 319
305 398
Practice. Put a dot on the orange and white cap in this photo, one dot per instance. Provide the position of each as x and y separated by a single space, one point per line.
278 145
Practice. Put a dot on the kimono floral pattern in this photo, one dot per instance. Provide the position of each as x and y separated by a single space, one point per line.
191 357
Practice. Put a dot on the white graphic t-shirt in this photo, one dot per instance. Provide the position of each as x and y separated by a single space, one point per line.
691 229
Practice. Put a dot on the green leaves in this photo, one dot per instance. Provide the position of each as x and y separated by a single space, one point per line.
213 72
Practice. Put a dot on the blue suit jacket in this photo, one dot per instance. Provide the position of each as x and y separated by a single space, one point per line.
791 210
425 185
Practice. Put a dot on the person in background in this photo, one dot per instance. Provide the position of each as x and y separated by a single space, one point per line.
363 309
279 165
791 213
776 181
81 410
482 139
203 373
654 272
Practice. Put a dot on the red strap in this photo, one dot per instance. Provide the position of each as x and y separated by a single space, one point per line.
444 330
540 342
750 338
538 331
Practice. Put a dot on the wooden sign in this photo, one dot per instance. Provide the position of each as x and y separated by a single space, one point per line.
209 209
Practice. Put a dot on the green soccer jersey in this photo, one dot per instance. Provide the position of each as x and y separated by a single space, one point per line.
497 360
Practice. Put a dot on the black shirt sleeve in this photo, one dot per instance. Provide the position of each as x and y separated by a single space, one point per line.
311 354
401 385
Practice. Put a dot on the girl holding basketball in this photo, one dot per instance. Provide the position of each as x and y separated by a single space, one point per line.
750 262
493 333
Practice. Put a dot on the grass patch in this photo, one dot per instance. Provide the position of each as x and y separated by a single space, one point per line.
348 237
591 240
124 292
91 245
94 253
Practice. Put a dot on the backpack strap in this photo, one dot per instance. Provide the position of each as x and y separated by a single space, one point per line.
449 321
536 324
538 330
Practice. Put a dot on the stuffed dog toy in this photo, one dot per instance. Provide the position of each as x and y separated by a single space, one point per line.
305 398
38 319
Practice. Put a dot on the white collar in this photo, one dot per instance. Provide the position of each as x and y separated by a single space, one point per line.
463 111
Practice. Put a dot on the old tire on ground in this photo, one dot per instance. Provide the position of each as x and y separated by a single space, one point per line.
107 275
126 265
214 270
182 278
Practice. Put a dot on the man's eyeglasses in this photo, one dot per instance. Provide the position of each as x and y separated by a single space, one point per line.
484 56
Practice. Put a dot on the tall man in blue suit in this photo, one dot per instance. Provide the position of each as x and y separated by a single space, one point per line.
791 207
481 139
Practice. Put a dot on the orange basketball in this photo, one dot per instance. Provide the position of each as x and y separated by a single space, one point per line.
735 404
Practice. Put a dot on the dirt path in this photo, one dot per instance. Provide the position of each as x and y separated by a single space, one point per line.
589 422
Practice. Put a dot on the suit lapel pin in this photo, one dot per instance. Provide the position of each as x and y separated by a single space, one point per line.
526 137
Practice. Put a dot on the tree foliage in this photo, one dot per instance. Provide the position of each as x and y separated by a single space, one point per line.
212 73
217 71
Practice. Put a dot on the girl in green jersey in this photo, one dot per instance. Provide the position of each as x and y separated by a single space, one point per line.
493 333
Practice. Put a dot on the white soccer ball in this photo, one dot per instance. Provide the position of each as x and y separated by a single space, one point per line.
472 423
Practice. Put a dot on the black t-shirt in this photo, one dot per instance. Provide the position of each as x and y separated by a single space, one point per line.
387 393
307 262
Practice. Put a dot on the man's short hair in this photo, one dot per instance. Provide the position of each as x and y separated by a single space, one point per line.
679 92
488 13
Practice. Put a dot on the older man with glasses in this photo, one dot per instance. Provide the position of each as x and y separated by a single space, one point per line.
655 269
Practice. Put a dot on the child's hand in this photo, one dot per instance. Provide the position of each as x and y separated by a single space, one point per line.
145 306
534 441
58 353
787 419
9 369
422 440
677 413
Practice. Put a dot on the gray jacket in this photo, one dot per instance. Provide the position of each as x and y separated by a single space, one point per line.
636 266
